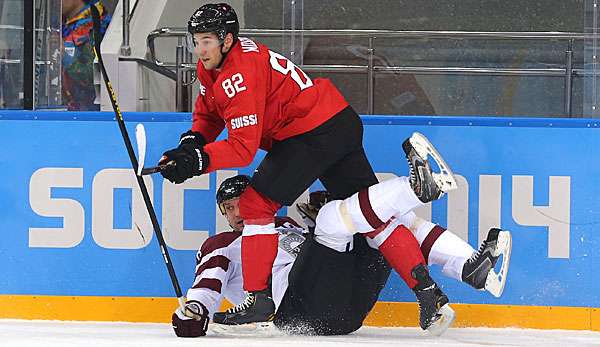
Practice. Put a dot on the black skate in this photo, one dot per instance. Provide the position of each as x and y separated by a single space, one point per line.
479 272
258 307
435 315
427 185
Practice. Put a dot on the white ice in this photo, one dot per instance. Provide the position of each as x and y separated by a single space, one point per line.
23 333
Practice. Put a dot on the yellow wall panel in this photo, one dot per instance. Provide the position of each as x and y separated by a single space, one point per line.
384 314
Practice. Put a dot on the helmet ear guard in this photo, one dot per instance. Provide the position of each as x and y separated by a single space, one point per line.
221 208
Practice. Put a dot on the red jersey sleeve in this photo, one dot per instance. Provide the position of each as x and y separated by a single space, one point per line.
205 122
242 96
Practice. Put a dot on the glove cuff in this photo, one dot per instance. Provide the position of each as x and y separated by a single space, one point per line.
203 160
192 137
196 315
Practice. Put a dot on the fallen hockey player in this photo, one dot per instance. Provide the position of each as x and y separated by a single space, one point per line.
326 282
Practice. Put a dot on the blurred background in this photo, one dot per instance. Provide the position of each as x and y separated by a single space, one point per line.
493 58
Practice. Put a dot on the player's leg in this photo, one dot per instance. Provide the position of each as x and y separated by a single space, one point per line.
334 229
371 208
352 171
458 259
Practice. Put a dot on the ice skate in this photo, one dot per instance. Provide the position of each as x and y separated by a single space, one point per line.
427 185
479 272
258 307
435 314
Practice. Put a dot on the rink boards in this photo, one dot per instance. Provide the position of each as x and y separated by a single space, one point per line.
76 234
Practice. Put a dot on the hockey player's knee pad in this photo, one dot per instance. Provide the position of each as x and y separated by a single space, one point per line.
330 231
256 208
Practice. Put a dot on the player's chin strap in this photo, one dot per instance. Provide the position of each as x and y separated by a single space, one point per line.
224 55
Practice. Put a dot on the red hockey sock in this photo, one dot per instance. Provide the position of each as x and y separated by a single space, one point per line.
402 252
259 239
258 255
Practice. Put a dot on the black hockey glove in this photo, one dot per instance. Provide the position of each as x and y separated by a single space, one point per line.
188 159
192 321
192 137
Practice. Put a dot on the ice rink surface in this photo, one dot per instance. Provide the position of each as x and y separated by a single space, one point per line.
99 334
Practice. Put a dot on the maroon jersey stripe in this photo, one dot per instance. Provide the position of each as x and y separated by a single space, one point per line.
374 233
221 240
367 209
209 283
213 262
430 239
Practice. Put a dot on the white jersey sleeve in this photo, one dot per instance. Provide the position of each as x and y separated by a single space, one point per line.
217 276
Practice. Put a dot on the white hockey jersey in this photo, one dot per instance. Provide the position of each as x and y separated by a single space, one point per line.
219 266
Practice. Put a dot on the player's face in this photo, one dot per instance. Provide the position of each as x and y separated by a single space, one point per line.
232 213
208 49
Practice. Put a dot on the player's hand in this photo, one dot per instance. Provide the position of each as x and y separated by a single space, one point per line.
189 161
191 321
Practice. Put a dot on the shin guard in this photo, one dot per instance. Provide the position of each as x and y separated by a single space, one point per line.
402 252
259 239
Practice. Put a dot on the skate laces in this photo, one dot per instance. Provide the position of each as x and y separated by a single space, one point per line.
413 168
480 251
412 172
248 302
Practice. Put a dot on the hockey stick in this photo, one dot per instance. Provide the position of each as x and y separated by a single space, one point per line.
134 163
140 140
155 169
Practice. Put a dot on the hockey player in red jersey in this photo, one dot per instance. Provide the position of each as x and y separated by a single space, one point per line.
306 126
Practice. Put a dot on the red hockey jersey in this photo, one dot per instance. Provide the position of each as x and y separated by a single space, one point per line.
260 96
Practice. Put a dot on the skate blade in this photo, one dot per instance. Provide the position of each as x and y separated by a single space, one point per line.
250 329
447 316
445 178
496 281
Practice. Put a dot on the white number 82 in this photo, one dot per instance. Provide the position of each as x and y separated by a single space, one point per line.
233 85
